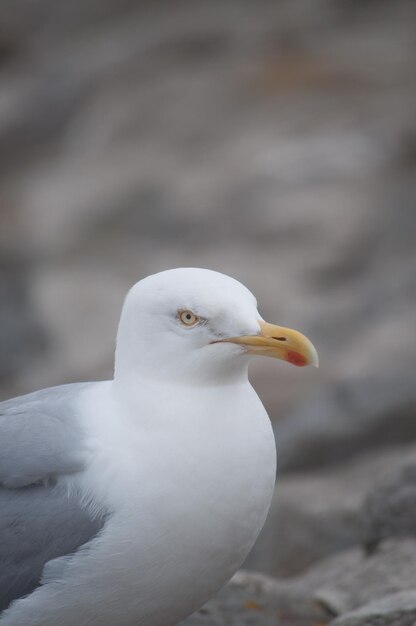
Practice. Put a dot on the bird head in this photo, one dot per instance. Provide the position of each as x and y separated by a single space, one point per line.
194 325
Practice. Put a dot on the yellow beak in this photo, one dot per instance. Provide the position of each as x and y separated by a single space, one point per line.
280 343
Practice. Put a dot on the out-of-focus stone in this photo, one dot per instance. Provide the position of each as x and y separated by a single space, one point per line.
22 338
316 514
397 609
348 418
80 307
248 600
331 588
389 510
249 139
350 579
347 581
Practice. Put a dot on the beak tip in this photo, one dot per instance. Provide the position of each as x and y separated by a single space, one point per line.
314 359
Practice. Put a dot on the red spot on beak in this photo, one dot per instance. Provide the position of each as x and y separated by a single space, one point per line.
296 359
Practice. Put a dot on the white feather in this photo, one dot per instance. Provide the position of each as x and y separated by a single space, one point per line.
181 453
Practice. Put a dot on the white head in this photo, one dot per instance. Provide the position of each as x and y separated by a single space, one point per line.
197 326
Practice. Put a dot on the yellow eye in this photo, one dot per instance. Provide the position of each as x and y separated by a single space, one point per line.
188 318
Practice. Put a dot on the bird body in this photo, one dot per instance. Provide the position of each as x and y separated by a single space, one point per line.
172 464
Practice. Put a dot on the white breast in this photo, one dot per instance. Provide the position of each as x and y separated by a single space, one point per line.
190 488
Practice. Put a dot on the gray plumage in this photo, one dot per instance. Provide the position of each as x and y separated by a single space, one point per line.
40 438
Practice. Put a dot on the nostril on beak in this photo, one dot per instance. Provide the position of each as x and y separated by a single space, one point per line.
280 338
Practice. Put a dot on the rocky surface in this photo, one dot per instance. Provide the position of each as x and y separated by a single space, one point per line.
254 140
248 600
335 587
348 418
22 338
350 579
273 141
389 509
397 609
355 504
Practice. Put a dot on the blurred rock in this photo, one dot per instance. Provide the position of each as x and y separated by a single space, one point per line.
348 418
389 510
397 609
350 579
22 338
249 139
333 587
316 514
248 600
346 581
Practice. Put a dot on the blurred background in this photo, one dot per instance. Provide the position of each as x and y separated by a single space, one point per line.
274 141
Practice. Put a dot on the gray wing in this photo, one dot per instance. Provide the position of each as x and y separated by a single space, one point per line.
40 438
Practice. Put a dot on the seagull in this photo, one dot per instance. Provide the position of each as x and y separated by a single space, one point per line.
131 502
